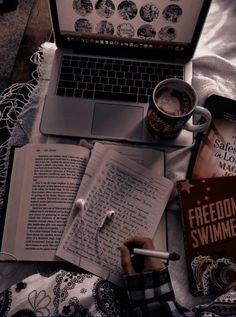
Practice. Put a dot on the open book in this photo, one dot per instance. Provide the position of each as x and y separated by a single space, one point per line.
43 185
135 194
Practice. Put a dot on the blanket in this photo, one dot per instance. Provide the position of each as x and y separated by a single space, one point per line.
214 71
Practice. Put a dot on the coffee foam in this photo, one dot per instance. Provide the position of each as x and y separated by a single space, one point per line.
171 101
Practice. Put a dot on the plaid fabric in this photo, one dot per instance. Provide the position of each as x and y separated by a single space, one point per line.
151 294
150 285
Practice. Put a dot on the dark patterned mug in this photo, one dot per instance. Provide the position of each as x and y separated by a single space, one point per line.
173 103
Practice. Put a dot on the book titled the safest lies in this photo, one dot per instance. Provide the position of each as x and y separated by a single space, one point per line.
215 152
208 209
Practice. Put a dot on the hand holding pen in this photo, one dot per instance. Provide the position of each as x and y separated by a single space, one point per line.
132 264
139 254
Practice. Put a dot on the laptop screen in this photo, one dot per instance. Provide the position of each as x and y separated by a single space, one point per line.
152 24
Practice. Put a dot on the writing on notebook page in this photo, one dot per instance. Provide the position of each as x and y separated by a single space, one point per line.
138 198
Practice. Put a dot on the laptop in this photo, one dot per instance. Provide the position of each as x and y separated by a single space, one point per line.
110 55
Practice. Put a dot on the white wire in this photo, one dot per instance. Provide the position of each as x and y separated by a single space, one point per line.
12 102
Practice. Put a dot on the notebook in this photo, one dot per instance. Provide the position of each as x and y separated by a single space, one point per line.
110 55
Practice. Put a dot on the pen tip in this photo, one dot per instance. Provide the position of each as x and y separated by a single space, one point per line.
174 256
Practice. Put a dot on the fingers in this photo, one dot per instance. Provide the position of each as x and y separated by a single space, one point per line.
126 260
143 242
150 263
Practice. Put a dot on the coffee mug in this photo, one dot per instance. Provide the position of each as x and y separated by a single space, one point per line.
172 104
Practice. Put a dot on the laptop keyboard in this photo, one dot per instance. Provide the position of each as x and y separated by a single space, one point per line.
101 78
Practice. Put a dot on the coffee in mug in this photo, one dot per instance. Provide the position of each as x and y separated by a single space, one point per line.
172 104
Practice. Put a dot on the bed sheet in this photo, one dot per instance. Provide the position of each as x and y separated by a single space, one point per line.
214 71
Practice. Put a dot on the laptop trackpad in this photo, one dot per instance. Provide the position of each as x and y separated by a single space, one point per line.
116 120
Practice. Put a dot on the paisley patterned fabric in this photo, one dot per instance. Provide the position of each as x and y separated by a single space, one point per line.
65 294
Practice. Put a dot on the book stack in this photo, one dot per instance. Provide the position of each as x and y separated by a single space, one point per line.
207 202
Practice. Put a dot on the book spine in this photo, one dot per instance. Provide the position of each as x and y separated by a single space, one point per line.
192 286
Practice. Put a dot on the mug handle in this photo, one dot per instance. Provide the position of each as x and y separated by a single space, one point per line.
199 127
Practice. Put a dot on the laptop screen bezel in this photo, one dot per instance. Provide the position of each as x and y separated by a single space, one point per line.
131 52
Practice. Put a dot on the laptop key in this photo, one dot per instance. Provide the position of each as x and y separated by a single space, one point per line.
67 84
112 81
77 71
138 83
98 86
94 72
133 90
143 98
149 91
88 94
95 79
130 82
177 72
121 81
162 78
99 66
102 73
86 71
108 66
91 65
147 84
61 91
69 92
78 78
145 76
120 75
87 79
81 85
136 75
104 80
67 56
167 71
158 71
67 70
116 88
142 91
128 75
78 93
107 88
74 63
155 77
90 86
67 77
125 89
115 96
116 67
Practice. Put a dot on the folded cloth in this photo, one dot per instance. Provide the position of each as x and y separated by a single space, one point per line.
214 75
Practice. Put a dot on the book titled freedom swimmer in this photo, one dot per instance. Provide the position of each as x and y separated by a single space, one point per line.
208 208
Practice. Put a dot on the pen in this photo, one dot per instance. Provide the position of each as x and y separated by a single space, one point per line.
157 254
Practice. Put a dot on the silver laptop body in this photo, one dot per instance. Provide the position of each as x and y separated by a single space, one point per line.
125 36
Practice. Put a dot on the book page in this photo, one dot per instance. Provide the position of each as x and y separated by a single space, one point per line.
136 195
41 196
152 159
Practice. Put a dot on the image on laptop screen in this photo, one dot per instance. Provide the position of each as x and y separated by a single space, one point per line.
142 24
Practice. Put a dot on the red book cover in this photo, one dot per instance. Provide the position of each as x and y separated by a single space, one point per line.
208 209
